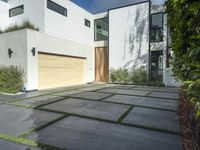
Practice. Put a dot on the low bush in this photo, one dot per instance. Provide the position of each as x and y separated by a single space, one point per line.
123 75
11 79
139 76
15 27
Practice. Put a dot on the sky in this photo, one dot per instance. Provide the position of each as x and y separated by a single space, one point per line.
98 6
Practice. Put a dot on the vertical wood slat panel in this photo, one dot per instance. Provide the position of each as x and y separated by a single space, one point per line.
101 64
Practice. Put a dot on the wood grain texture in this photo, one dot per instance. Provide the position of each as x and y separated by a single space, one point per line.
101 64
57 71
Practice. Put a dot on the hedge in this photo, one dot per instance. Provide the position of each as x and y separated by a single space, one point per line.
11 79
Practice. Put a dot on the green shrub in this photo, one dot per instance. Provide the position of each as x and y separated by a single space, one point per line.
11 79
24 25
139 76
123 75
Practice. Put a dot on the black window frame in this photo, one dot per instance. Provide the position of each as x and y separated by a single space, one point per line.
95 28
49 1
160 28
21 6
87 23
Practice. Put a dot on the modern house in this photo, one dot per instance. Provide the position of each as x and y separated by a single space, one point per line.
75 47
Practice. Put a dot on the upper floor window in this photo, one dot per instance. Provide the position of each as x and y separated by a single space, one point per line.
101 29
87 23
157 27
16 11
57 8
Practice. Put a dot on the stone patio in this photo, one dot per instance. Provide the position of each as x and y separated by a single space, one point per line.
92 117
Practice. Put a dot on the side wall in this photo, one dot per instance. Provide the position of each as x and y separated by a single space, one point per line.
34 11
55 45
17 42
129 36
71 27
4 7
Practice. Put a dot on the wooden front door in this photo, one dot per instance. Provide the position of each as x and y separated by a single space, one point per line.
101 64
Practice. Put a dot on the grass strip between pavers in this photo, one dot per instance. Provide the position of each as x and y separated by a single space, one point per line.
101 101
118 103
154 90
111 121
125 114
28 142
50 93
31 131
172 99
32 107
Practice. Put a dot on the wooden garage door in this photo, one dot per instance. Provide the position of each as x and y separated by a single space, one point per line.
57 71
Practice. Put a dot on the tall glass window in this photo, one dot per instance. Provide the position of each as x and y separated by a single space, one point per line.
16 11
101 29
157 27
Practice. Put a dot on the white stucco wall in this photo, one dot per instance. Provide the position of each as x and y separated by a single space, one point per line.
55 45
21 42
17 42
4 15
129 36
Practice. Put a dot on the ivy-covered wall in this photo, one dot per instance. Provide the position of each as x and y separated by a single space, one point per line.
184 23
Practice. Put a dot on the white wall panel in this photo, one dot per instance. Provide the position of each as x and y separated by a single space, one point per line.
71 27
129 36
34 11
4 15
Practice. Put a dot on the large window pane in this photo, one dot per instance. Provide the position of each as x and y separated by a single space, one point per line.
157 2
57 8
157 27
101 29
16 11
156 65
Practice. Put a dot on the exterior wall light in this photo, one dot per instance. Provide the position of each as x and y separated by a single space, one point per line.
33 51
10 53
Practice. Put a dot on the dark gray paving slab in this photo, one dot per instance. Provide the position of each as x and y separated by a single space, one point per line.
144 101
154 118
7 98
94 88
90 95
165 95
122 91
37 101
89 108
160 89
67 88
76 133
5 145
66 93
16 120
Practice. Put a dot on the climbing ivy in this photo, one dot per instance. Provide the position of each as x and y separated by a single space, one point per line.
184 23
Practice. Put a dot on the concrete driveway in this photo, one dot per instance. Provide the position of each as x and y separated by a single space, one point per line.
92 117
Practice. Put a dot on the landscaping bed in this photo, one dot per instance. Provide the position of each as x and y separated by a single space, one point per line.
190 124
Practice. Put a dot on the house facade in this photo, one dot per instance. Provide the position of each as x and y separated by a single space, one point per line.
75 47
